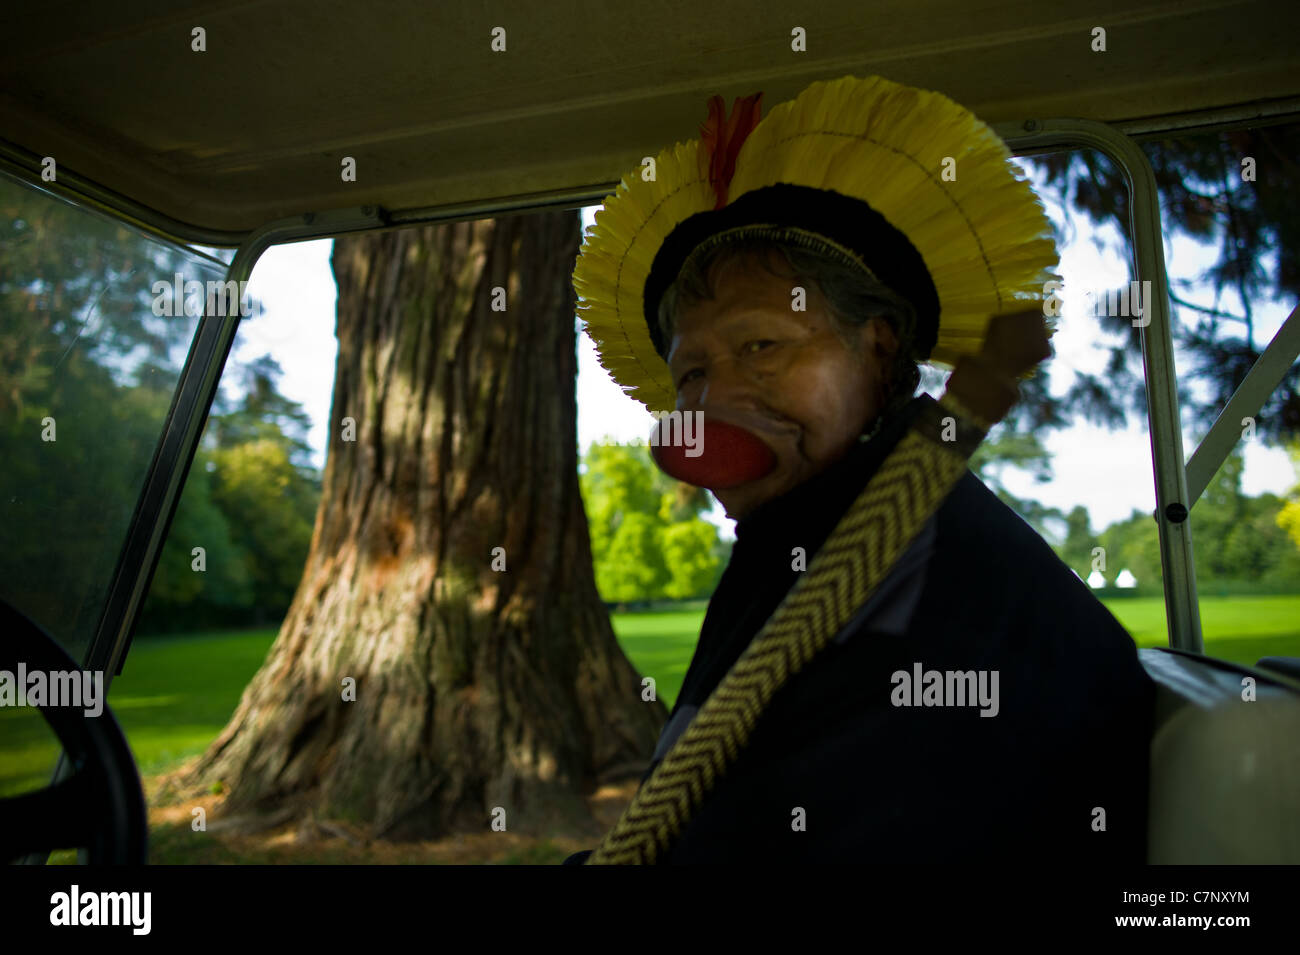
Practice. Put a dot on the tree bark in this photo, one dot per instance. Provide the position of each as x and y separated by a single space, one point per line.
480 692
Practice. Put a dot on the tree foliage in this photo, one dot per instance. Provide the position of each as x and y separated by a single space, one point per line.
1238 542
250 502
1236 190
648 540
87 371
1288 517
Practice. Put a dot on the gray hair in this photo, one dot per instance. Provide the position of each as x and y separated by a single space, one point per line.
852 296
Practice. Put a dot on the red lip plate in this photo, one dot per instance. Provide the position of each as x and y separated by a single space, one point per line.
730 456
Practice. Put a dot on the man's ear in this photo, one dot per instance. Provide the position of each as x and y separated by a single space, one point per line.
880 340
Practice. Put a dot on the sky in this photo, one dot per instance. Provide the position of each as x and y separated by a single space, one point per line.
1109 472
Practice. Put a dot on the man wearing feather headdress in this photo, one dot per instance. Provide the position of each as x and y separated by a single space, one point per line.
894 666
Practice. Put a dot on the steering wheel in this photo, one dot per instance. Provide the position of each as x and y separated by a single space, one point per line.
100 807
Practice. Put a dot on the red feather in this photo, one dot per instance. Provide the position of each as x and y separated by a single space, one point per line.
723 136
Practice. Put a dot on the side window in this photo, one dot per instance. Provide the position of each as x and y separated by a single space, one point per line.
1228 214
93 335
90 354
1225 201
1073 458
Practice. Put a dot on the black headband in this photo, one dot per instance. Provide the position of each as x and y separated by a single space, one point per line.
843 220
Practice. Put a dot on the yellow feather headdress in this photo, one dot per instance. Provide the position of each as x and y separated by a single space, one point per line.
910 186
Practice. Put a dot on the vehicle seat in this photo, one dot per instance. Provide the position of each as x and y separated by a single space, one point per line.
1225 773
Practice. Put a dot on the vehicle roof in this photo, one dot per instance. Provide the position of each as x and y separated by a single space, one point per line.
254 128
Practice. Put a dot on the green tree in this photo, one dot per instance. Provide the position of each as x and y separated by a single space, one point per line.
250 501
1006 448
1239 542
87 370
1255 222
1238 539
262 413
616 479
269 506
648 540
632 567
181 597
1288 517
1076 551
1203 194
1216 517
1133 545
690 553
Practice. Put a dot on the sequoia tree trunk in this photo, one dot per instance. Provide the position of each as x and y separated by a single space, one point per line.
450 576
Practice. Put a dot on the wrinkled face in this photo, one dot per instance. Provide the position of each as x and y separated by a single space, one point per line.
748 358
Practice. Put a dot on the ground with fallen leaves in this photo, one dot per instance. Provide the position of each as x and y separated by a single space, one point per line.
174 841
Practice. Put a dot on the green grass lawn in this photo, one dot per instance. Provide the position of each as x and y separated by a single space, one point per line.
660 645
1241 629
176 693
174 696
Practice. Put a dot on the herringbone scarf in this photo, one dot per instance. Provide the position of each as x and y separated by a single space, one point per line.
900 497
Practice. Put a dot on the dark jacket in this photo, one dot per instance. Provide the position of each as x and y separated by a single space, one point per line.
837 770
